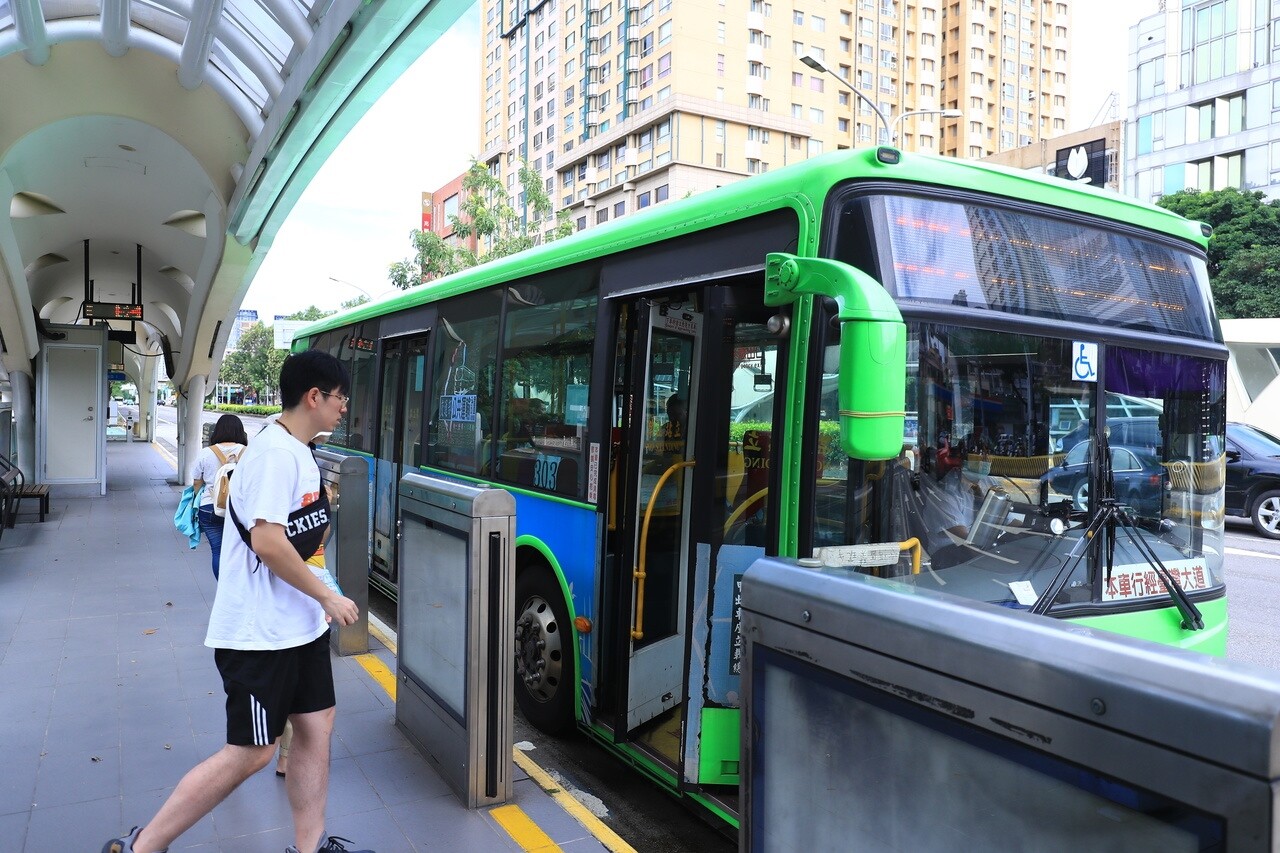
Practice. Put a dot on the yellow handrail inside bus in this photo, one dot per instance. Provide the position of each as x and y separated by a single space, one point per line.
913 545
742 508
638 572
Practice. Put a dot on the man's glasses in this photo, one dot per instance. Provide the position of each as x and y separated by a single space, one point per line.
342 398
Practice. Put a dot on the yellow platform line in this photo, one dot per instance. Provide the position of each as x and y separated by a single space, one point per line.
169 457
380 673
606 836
525 832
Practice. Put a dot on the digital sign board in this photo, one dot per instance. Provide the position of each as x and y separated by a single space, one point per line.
112 311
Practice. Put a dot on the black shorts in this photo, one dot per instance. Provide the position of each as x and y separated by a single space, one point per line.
264 688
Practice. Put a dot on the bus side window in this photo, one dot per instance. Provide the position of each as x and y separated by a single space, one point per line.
546 377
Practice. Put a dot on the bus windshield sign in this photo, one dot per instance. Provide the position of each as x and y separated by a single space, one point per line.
995 259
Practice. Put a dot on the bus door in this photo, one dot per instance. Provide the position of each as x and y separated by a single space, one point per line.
399 446
667 361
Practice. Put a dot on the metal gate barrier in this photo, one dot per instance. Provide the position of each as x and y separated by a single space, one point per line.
456 632
882 718
346 552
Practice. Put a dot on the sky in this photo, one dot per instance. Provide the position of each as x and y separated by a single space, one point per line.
354 219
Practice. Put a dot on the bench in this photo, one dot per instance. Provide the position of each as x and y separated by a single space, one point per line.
10 483
15 489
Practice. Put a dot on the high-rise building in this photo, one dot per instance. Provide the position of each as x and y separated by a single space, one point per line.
1206 76
245 318
626 103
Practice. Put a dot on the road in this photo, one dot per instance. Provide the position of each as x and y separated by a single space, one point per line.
167 424
1253 596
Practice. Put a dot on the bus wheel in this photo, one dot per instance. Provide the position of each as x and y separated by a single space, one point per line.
544 652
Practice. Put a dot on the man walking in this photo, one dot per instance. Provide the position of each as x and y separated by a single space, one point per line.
268 627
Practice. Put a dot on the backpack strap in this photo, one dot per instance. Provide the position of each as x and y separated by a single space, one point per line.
222 457
243 531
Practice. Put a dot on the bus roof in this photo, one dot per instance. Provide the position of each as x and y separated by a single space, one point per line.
780 188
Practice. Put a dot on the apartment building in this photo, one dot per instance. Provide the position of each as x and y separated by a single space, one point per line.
627 103
1204 82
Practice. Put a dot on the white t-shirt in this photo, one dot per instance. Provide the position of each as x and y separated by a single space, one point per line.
207 465
253 609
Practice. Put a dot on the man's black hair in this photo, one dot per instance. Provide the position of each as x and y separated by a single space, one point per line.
313 368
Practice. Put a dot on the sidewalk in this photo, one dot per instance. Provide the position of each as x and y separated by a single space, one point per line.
109 696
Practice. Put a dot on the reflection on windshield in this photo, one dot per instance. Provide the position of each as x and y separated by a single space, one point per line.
999 477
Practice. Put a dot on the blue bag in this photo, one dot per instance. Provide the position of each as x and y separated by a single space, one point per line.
186 518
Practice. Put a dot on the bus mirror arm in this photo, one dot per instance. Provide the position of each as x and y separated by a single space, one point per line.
873 348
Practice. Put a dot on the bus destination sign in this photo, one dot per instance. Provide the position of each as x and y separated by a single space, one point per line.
112 311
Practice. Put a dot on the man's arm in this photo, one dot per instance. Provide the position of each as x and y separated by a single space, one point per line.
273 548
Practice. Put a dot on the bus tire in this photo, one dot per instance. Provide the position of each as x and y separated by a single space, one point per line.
545 666
1265 514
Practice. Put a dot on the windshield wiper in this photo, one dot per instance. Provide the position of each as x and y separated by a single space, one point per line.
1109 515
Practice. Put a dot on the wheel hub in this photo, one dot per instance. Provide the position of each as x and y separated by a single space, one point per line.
538 649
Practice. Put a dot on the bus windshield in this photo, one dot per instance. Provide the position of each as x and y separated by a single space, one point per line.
1003 467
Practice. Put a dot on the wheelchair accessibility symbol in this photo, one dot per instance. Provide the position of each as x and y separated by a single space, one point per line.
1085 366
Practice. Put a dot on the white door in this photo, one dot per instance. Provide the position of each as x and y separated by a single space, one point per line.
665 477
75 429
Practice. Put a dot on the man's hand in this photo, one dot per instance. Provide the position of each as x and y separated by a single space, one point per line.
340 609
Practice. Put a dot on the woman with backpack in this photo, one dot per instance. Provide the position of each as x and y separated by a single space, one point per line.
226 443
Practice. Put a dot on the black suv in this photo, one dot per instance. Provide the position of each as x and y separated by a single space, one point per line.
1253 477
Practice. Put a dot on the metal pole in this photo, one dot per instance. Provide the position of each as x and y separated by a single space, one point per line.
816 64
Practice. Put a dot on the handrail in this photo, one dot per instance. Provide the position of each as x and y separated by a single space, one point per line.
638 572
912 544
742 508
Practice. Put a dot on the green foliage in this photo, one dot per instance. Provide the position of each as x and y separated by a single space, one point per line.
233 409
1243 250
255 363
310 313
500 224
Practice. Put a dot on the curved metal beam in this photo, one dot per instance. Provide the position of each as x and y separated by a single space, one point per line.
197 44
28 22
19 327
115 26
292 21
257 61
60 32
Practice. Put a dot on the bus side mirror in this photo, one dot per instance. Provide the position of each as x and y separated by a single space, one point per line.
873 348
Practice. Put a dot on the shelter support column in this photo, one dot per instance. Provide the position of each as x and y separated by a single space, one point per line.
191 412
147 400
24 423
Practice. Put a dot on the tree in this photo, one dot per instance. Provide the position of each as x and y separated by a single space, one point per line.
255 362
1242 250
311 312
487 211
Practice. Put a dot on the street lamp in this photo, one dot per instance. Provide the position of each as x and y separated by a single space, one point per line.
356 286
893 127
816 64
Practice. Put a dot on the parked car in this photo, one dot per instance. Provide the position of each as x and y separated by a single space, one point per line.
1134 431
1253 477
1136 471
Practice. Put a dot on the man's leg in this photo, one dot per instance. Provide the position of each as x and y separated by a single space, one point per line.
204 786
308 779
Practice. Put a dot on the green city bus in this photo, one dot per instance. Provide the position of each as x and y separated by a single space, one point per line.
871 358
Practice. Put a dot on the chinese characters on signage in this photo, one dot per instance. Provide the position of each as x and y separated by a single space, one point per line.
1141 581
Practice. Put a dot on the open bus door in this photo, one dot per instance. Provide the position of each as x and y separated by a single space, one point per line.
684 540
399 446
667 365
